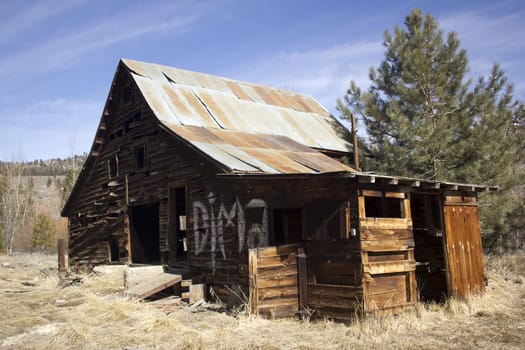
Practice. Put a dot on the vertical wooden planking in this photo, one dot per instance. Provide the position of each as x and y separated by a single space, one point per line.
463 249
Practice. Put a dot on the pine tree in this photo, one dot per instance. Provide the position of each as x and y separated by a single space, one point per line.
43 233
425 119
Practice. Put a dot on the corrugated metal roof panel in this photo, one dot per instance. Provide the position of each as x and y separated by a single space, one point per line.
257 153
225 158
250 91
151 71
238 91
279 161
179 76
189 98
156 99
313 106
186 106
239 153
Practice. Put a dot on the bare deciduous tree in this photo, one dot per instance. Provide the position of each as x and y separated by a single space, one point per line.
15 201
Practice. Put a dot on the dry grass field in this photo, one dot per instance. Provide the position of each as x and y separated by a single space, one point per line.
36 313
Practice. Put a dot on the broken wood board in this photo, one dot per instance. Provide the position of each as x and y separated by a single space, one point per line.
153 284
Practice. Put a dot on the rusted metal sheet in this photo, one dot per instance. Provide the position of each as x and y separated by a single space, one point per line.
181 77
257 153
155 98
238 91
225 158
464 255
189 98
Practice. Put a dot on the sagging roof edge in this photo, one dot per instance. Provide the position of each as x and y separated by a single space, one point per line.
82 176
368 178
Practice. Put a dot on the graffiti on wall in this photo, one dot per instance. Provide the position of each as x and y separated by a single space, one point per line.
211 219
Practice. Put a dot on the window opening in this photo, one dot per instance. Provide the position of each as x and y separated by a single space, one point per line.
140 157
177 237
384 207
113 167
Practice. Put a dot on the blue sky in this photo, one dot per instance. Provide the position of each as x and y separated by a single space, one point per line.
57 58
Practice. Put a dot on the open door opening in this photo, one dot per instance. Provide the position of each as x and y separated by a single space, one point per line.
177 238
287 226
429 253
144 227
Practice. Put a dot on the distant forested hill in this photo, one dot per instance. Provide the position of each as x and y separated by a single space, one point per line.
52 167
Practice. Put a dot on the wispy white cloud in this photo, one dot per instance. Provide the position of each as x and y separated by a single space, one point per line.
75 44
324 73
18 17
45 114
44 129
490 39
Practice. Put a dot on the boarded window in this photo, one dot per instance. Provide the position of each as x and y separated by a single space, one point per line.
113 167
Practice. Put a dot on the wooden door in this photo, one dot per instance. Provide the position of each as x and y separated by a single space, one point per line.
463 251
273 281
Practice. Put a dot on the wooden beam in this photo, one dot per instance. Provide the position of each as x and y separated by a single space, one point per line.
432 185
366 179
452 187
303 280
252 278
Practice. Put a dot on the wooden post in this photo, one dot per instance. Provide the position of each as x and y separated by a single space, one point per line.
61 251
356 148
252 277
303 280
127 189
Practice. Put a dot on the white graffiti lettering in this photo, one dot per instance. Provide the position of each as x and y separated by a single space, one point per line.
207 226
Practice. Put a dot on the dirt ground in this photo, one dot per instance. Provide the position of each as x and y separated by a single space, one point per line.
91 312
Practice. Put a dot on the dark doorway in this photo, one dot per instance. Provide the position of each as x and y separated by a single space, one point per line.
287 226
178 244
144 227
428 253
113 250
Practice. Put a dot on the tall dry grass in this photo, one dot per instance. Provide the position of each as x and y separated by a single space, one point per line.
36 313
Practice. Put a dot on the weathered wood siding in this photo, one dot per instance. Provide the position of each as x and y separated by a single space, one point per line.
387 252
273 276
99 210
334 287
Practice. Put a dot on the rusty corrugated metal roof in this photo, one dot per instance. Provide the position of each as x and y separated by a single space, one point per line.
255 128
257 153
190 98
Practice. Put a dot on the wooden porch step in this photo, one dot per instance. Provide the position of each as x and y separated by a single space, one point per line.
153 284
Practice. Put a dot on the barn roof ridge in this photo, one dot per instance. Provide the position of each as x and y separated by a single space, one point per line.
245 127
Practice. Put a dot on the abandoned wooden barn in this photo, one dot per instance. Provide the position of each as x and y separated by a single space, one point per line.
242 185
